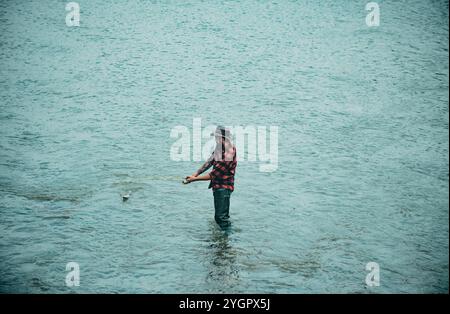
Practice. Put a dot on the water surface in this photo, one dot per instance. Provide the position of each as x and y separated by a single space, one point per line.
86 114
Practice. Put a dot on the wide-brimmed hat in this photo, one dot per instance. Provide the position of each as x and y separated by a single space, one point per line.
222 131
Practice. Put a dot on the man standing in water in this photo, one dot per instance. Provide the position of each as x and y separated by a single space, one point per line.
223 161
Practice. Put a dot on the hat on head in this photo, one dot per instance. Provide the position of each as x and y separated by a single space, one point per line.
223 131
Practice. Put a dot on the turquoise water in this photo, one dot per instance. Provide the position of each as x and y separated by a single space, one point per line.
86 114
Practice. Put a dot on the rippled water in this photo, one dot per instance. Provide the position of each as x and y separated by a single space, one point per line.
86 114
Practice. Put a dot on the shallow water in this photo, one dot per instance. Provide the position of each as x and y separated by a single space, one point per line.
86 115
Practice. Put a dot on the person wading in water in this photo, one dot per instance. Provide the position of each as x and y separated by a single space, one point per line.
223 160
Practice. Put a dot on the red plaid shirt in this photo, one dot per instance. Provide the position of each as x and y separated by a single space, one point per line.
222 175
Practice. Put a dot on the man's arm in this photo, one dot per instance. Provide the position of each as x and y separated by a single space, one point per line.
219 170
205 166
205 177
196 175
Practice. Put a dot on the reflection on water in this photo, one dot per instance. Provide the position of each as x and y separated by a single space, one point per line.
222 269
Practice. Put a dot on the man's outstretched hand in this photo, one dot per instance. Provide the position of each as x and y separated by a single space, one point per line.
189 179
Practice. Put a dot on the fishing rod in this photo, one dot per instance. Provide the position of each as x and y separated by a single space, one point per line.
152 178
